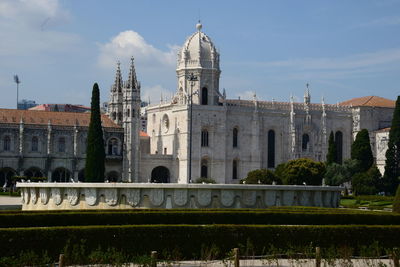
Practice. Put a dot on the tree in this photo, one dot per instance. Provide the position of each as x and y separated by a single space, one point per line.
331 157
392 167
95 154
337 174
396 201
303 170
361 150
366 183
261 176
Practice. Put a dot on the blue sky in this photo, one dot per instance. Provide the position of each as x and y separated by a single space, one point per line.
59 48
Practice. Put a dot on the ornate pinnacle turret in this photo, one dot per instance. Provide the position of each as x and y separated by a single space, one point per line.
132 81
307 95
118 79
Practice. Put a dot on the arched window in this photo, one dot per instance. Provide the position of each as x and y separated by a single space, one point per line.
7 143
339 146
204 138
305 141
120 116
204 168
35 144
271 149
113 147
114 116
204 96
61 175
235 137
128 113
61 144
235 169
133 113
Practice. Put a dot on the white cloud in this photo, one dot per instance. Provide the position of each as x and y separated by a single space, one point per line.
130 43
155 93
27 27
246 95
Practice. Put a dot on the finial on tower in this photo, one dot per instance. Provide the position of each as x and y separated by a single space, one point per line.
199 26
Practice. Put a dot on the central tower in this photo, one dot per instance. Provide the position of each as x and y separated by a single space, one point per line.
199 57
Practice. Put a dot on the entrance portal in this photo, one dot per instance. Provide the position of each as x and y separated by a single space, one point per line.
160 174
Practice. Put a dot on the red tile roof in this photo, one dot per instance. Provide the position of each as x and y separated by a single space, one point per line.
55 118
369 101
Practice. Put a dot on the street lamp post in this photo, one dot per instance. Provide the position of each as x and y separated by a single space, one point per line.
192 79
17 81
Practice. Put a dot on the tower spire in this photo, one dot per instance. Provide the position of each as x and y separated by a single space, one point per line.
132 81
118 78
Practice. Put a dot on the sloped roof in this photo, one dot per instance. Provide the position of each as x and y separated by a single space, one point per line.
369 101
56 118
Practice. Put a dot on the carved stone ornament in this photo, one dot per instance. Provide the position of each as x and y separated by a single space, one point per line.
288 198
249 198
204 197
132 196
33 195
318 198
44 195
56 195
180 197
25 196
111 196
270 198
73 196
335 199
157 196
227 197
305 198
91 196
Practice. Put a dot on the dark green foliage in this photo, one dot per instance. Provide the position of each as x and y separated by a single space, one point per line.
95 154
262 176
392 167
367 183
396 201
300 171
205 180
279 170
331 157
337 174
188 240
281 215
361 150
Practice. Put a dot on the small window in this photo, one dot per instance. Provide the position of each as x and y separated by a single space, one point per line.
114 116
271 149
204 96
235 137
165 151
61 145
7 143
204 138
133 113
119 116
235 169
305 141
35 144
113 147
204 168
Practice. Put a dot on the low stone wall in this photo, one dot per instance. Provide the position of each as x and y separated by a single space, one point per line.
81 196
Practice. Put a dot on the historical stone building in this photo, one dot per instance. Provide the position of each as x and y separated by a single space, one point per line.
199 133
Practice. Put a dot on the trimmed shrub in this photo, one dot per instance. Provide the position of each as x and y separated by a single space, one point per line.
396 201
261 176
300 171
205 180
189 240
287 216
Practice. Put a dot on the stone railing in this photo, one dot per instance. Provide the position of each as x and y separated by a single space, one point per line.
67 196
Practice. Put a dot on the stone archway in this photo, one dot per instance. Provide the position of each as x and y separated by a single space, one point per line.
160 174
33 172
5 176
61 175
113 176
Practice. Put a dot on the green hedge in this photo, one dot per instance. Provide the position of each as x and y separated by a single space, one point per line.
188 241
289 216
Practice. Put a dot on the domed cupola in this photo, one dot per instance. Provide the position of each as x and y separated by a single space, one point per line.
199 59
198 51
